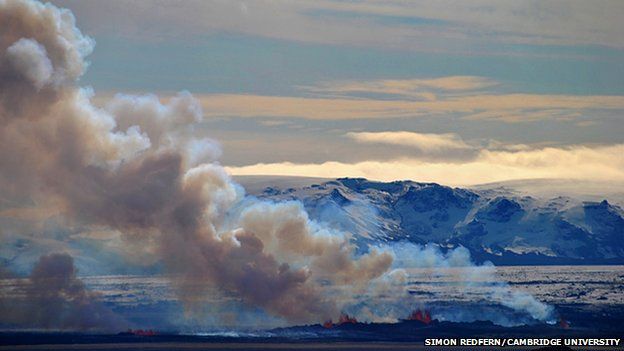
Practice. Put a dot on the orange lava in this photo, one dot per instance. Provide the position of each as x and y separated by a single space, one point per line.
344 319
418 315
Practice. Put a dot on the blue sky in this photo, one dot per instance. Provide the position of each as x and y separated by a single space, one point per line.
228 63
286 84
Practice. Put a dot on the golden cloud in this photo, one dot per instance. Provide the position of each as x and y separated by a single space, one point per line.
425 142
504 107
599 163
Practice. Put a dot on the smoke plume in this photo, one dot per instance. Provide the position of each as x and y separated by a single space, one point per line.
53 298
471 275
134 167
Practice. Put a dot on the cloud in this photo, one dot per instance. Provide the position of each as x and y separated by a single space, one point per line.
502 107
416 25
519 115
31 60
407 88
598 163
421 141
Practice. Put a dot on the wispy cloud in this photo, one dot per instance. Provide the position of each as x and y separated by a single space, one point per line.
503 107
406 88
471 26
421 141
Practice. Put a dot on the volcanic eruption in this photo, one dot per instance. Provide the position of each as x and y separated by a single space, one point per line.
343 319
136 167
421 316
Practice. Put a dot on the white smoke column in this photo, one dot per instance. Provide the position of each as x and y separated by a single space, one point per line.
134 167
484 276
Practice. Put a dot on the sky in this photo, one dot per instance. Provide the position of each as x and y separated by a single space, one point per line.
453 92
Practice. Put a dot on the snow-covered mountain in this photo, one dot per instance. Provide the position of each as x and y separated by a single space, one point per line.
497 223
500 226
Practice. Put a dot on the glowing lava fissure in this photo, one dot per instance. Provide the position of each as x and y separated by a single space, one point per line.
421 316
343 319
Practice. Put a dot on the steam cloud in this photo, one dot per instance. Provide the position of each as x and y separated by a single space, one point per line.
134 167
472 274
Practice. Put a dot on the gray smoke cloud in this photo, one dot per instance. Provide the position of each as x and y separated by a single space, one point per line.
54 298
134 167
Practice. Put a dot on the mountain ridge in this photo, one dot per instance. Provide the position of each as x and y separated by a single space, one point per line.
510 229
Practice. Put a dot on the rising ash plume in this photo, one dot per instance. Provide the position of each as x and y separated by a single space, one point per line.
133 167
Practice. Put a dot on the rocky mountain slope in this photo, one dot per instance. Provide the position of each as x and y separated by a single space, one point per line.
502 227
